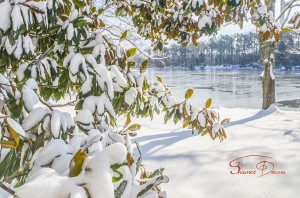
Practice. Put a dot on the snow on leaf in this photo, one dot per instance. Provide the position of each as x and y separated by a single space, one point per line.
86 86
52 149
10 47
84 116
61 164
76 61
73 15
19 49
5 10
117 76
20 71
216 127
130 95
30 98
70 31
16 17
5 84
26 15
202 119
104 79
28 45
34 118
31 83
56 123
16 127
203 20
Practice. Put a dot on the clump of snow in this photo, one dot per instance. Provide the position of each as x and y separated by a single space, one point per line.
49 184
130 95
5 10
30 98
28 45
56 123
54 148
84 116
104 79
117 76
16 17
20 71
100 174
99 103
202 119
70 32
33 118
86 86
5 84
203 20
194 3
31 83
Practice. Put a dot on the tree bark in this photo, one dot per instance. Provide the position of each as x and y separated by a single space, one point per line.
268 82
267 48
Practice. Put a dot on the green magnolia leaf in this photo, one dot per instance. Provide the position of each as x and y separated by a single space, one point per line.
131 64
186 123
120 189
77 162
130 52
286 30
100 11
134 127
5 163
79 3
116 179
208 103
143 66
123 35
158 79
188 93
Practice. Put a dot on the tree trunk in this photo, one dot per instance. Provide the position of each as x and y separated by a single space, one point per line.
267 48
267 77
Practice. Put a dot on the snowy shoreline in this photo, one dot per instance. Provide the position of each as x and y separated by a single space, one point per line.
227 67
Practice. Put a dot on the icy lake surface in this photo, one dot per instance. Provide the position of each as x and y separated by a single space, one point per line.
230 88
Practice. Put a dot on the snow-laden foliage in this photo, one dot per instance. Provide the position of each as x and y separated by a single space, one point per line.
56 50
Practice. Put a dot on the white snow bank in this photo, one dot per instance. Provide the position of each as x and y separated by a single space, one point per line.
199 167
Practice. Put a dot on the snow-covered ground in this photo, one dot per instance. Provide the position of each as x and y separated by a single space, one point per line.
199 167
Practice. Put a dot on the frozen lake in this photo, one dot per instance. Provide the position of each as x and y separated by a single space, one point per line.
230 88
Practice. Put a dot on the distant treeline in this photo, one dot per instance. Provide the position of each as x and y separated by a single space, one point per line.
237 49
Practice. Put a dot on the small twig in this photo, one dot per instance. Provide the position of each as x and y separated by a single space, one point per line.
286 8
50 106
10 191
45 103
141 51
